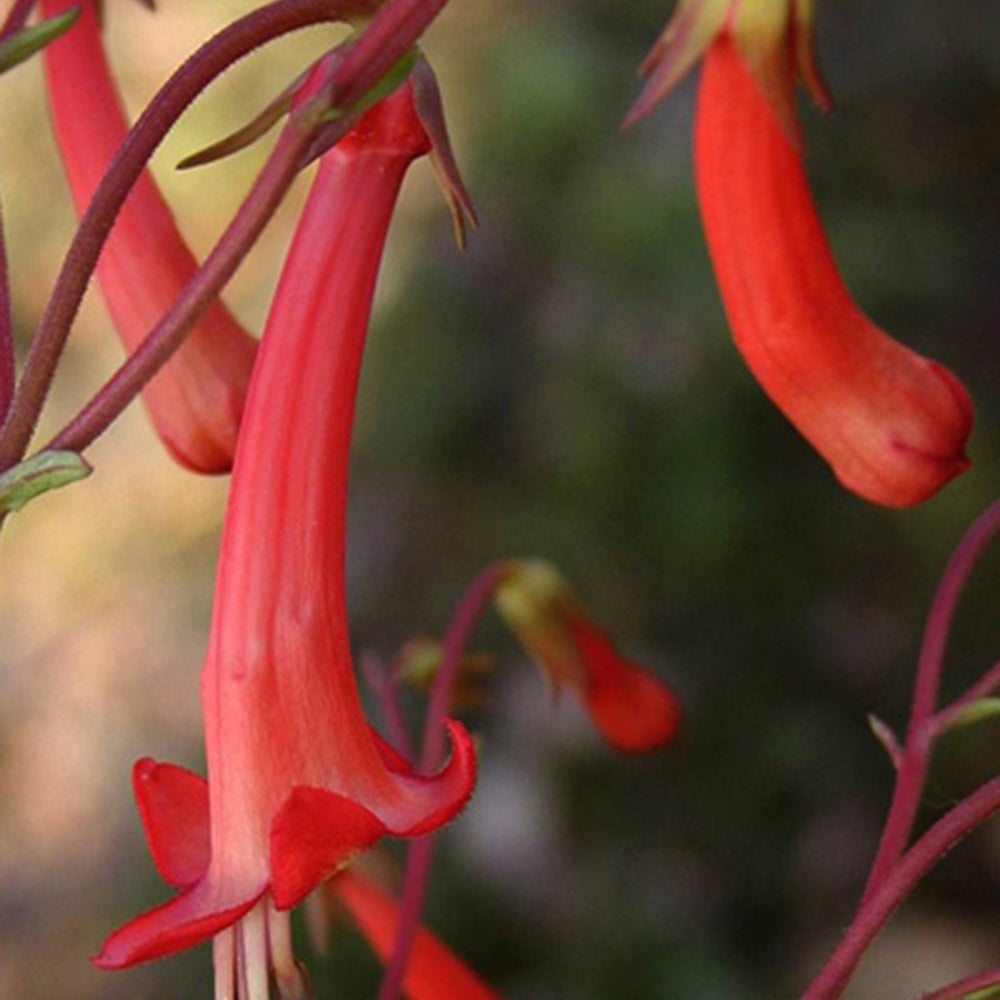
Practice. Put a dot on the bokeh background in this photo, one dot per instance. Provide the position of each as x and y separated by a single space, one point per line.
565 388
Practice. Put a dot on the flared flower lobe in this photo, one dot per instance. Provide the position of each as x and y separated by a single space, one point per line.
892 424
633 710
196 401
298 781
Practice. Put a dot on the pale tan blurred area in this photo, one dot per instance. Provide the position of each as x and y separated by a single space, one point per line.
105 587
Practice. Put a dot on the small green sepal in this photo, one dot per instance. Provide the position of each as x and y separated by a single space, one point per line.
887 738
686 38
393 78
773 38
25 43
980 710
45 471
430 111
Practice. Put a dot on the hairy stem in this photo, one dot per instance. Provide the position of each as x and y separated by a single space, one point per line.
966 988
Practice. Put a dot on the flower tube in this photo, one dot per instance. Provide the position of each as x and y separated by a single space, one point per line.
297 781
196 401
893 425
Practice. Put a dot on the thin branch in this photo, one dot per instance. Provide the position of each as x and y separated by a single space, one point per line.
419 855
197 72
967 987
985 686
197 296
898 882
911 775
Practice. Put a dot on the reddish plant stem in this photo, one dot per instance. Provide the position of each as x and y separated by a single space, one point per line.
227 47
199 293
966 987
419 856
385 684
390 34
986 685
16 18
897 883
923 726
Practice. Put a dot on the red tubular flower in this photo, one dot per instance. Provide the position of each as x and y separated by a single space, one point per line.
196 401
298 782
634 710
892 424
434 971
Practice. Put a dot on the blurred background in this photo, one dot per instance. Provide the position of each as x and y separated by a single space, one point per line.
566 388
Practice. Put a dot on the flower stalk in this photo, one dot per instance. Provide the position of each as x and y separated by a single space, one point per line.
347 84
196 400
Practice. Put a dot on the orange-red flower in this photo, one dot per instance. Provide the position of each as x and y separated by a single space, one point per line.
196 401
892 424
297 781
633 710
434 972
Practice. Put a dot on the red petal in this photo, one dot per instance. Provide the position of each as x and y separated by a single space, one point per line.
892 424
451 787
173 805
196 401
315 833
633 710
190 919
434 972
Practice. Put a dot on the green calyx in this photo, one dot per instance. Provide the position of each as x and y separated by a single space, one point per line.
45 471
22 45
774 40
687 36
392 79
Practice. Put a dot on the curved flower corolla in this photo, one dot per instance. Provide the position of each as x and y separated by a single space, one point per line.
297 781
633 710
434 972
196 401
892 424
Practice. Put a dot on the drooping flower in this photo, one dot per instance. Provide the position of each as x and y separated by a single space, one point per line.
892 424
196 401
297 781
633 710
434 972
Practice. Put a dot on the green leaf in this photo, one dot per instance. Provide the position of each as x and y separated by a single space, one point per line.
45 471
980 710
25 43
